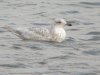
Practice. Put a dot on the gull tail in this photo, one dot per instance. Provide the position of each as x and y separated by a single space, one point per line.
8 28
12 30
18 33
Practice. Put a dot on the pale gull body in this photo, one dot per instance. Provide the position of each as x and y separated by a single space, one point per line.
54 33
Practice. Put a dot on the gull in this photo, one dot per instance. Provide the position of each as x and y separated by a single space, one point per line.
55 32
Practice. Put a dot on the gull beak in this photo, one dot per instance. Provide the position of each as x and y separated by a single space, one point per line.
68 24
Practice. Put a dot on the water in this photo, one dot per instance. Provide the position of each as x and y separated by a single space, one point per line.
79 54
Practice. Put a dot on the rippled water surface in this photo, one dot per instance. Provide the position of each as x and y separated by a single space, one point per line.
79 54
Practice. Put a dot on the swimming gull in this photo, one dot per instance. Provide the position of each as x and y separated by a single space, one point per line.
54 33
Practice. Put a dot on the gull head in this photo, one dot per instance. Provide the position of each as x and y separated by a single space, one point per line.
62 22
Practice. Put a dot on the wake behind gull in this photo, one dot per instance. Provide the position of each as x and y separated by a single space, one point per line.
55 33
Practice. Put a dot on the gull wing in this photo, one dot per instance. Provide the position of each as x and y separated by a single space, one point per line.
34 33
41 31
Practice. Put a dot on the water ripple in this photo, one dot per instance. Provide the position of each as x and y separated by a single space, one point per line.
13 65
93 33
92 52
35 47
91 3
73 12
94 38
82 73
74 56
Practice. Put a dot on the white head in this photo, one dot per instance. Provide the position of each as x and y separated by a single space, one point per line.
61 22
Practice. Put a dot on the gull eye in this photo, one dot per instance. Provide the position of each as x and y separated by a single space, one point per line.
58 22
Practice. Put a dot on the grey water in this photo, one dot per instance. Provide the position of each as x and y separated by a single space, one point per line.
79 54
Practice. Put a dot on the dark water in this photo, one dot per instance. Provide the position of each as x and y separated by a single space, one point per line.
79 54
